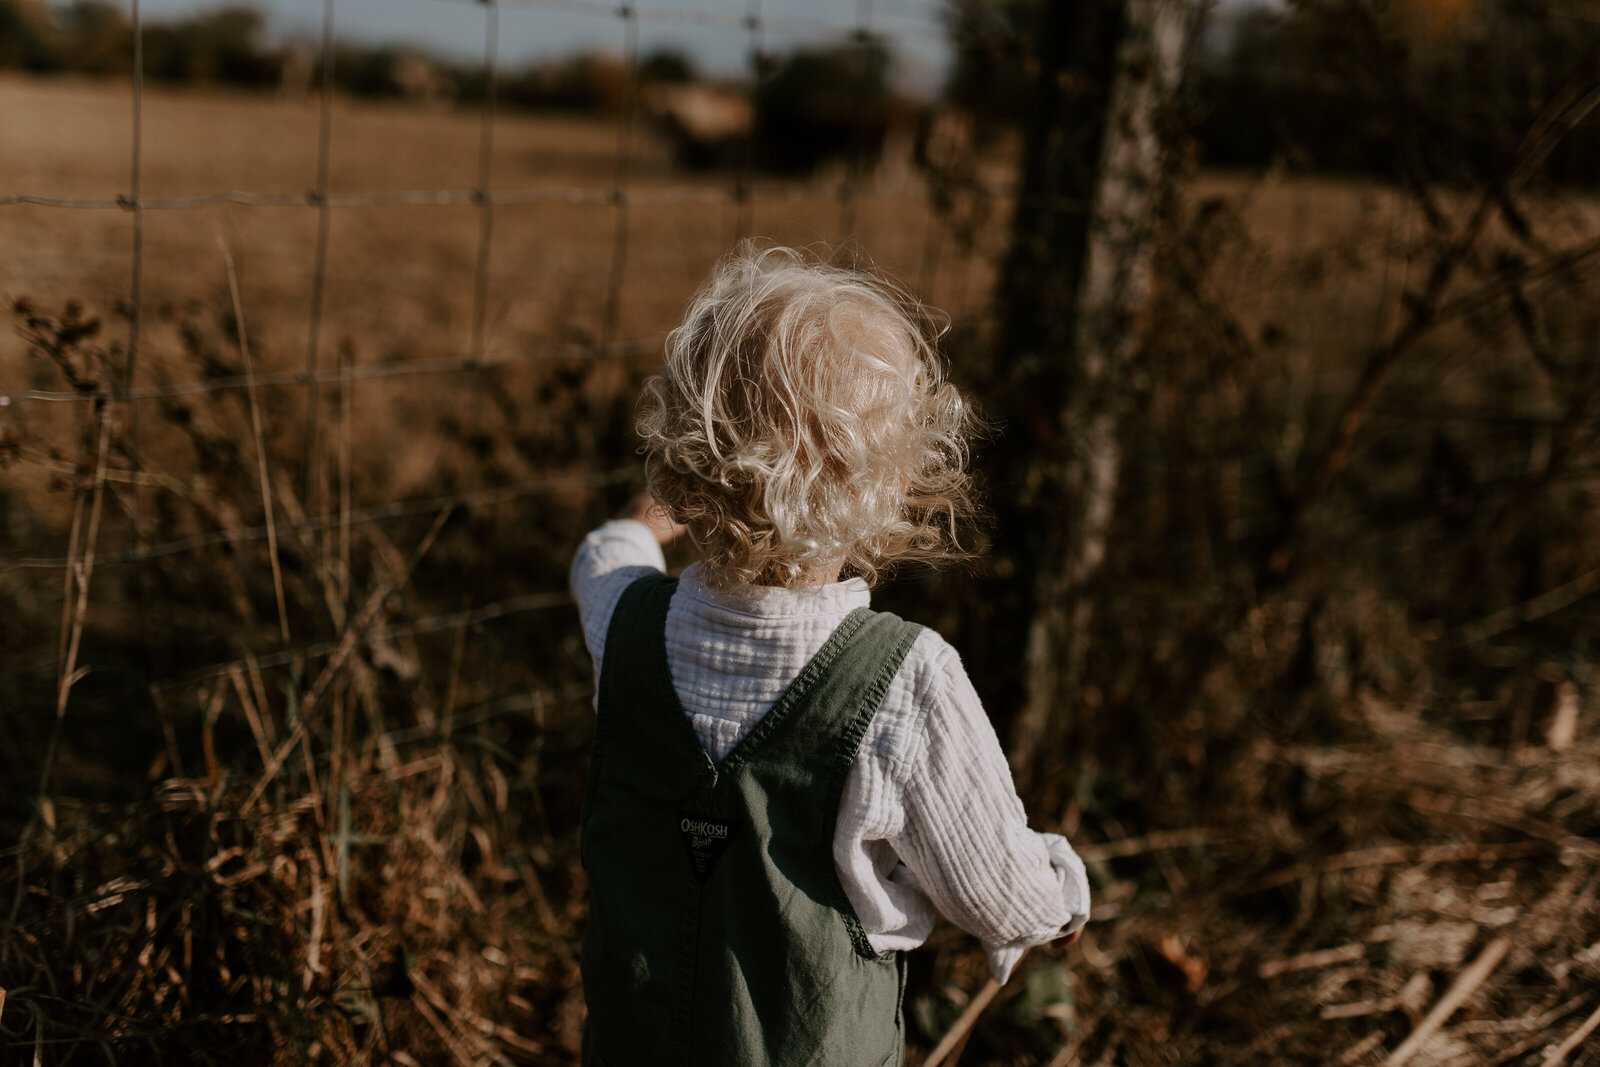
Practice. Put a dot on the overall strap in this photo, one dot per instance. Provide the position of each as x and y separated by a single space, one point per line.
636 697
635 640
789 978
831 702
803 748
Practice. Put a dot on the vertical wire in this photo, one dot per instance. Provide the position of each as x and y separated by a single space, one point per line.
135 202
346 357
932 247
743 193
485 200
619 195
480 283
135 317
964 279
847 191
319 268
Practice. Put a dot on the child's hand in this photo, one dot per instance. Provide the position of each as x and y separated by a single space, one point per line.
1067 941
643 508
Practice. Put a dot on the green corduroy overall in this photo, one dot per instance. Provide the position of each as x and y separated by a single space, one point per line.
719 934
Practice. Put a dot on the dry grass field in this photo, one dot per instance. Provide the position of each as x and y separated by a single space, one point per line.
400 279
321 807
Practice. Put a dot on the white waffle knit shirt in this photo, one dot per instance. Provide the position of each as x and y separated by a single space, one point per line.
929 819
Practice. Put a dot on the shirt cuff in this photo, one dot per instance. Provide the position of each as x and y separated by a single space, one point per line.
1073 881
643 550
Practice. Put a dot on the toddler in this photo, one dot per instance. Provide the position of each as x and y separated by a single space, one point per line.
786 786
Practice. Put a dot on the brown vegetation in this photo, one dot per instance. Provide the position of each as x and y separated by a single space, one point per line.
320 804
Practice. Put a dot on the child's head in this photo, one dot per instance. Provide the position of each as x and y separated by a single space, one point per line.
803 420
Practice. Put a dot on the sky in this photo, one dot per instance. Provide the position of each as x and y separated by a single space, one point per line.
456 28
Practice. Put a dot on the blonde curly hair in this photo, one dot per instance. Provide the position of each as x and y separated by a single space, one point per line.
802 420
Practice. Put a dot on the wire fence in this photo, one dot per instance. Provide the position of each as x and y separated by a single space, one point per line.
312 374
905 19
315 522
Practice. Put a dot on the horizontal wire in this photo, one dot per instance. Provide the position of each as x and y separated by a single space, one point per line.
432 624
617 476
442 365
528 700
908 8
664 196
357 517
724 20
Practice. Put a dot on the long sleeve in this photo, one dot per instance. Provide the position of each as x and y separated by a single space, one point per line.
966 839
607 562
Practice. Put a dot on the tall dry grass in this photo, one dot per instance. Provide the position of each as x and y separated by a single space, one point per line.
1309 836
315 796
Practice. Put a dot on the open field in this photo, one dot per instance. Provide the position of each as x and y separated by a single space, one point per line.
400 280
549 263
319 805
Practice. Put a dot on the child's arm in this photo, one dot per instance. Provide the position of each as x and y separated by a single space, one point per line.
611 558
965 836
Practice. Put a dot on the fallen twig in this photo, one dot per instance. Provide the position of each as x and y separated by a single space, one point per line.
1546 603
1362 1047
1573 1040
446 1035
1465 984
1357 1009
1325 957
451 1026
1156 842
1512 818
252 716
1386 855
1068 1053
963 1024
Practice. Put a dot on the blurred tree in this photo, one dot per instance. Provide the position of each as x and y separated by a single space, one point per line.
1094 171
98 37
1416 90
363 71
224 45
27 37
588 82
825 103
667 66
995 61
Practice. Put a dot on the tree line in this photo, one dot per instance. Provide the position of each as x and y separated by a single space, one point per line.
1258 96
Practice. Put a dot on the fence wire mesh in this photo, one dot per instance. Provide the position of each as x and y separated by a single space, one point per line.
413 693
338 512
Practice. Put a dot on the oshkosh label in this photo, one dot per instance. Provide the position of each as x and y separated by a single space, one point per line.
705 838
